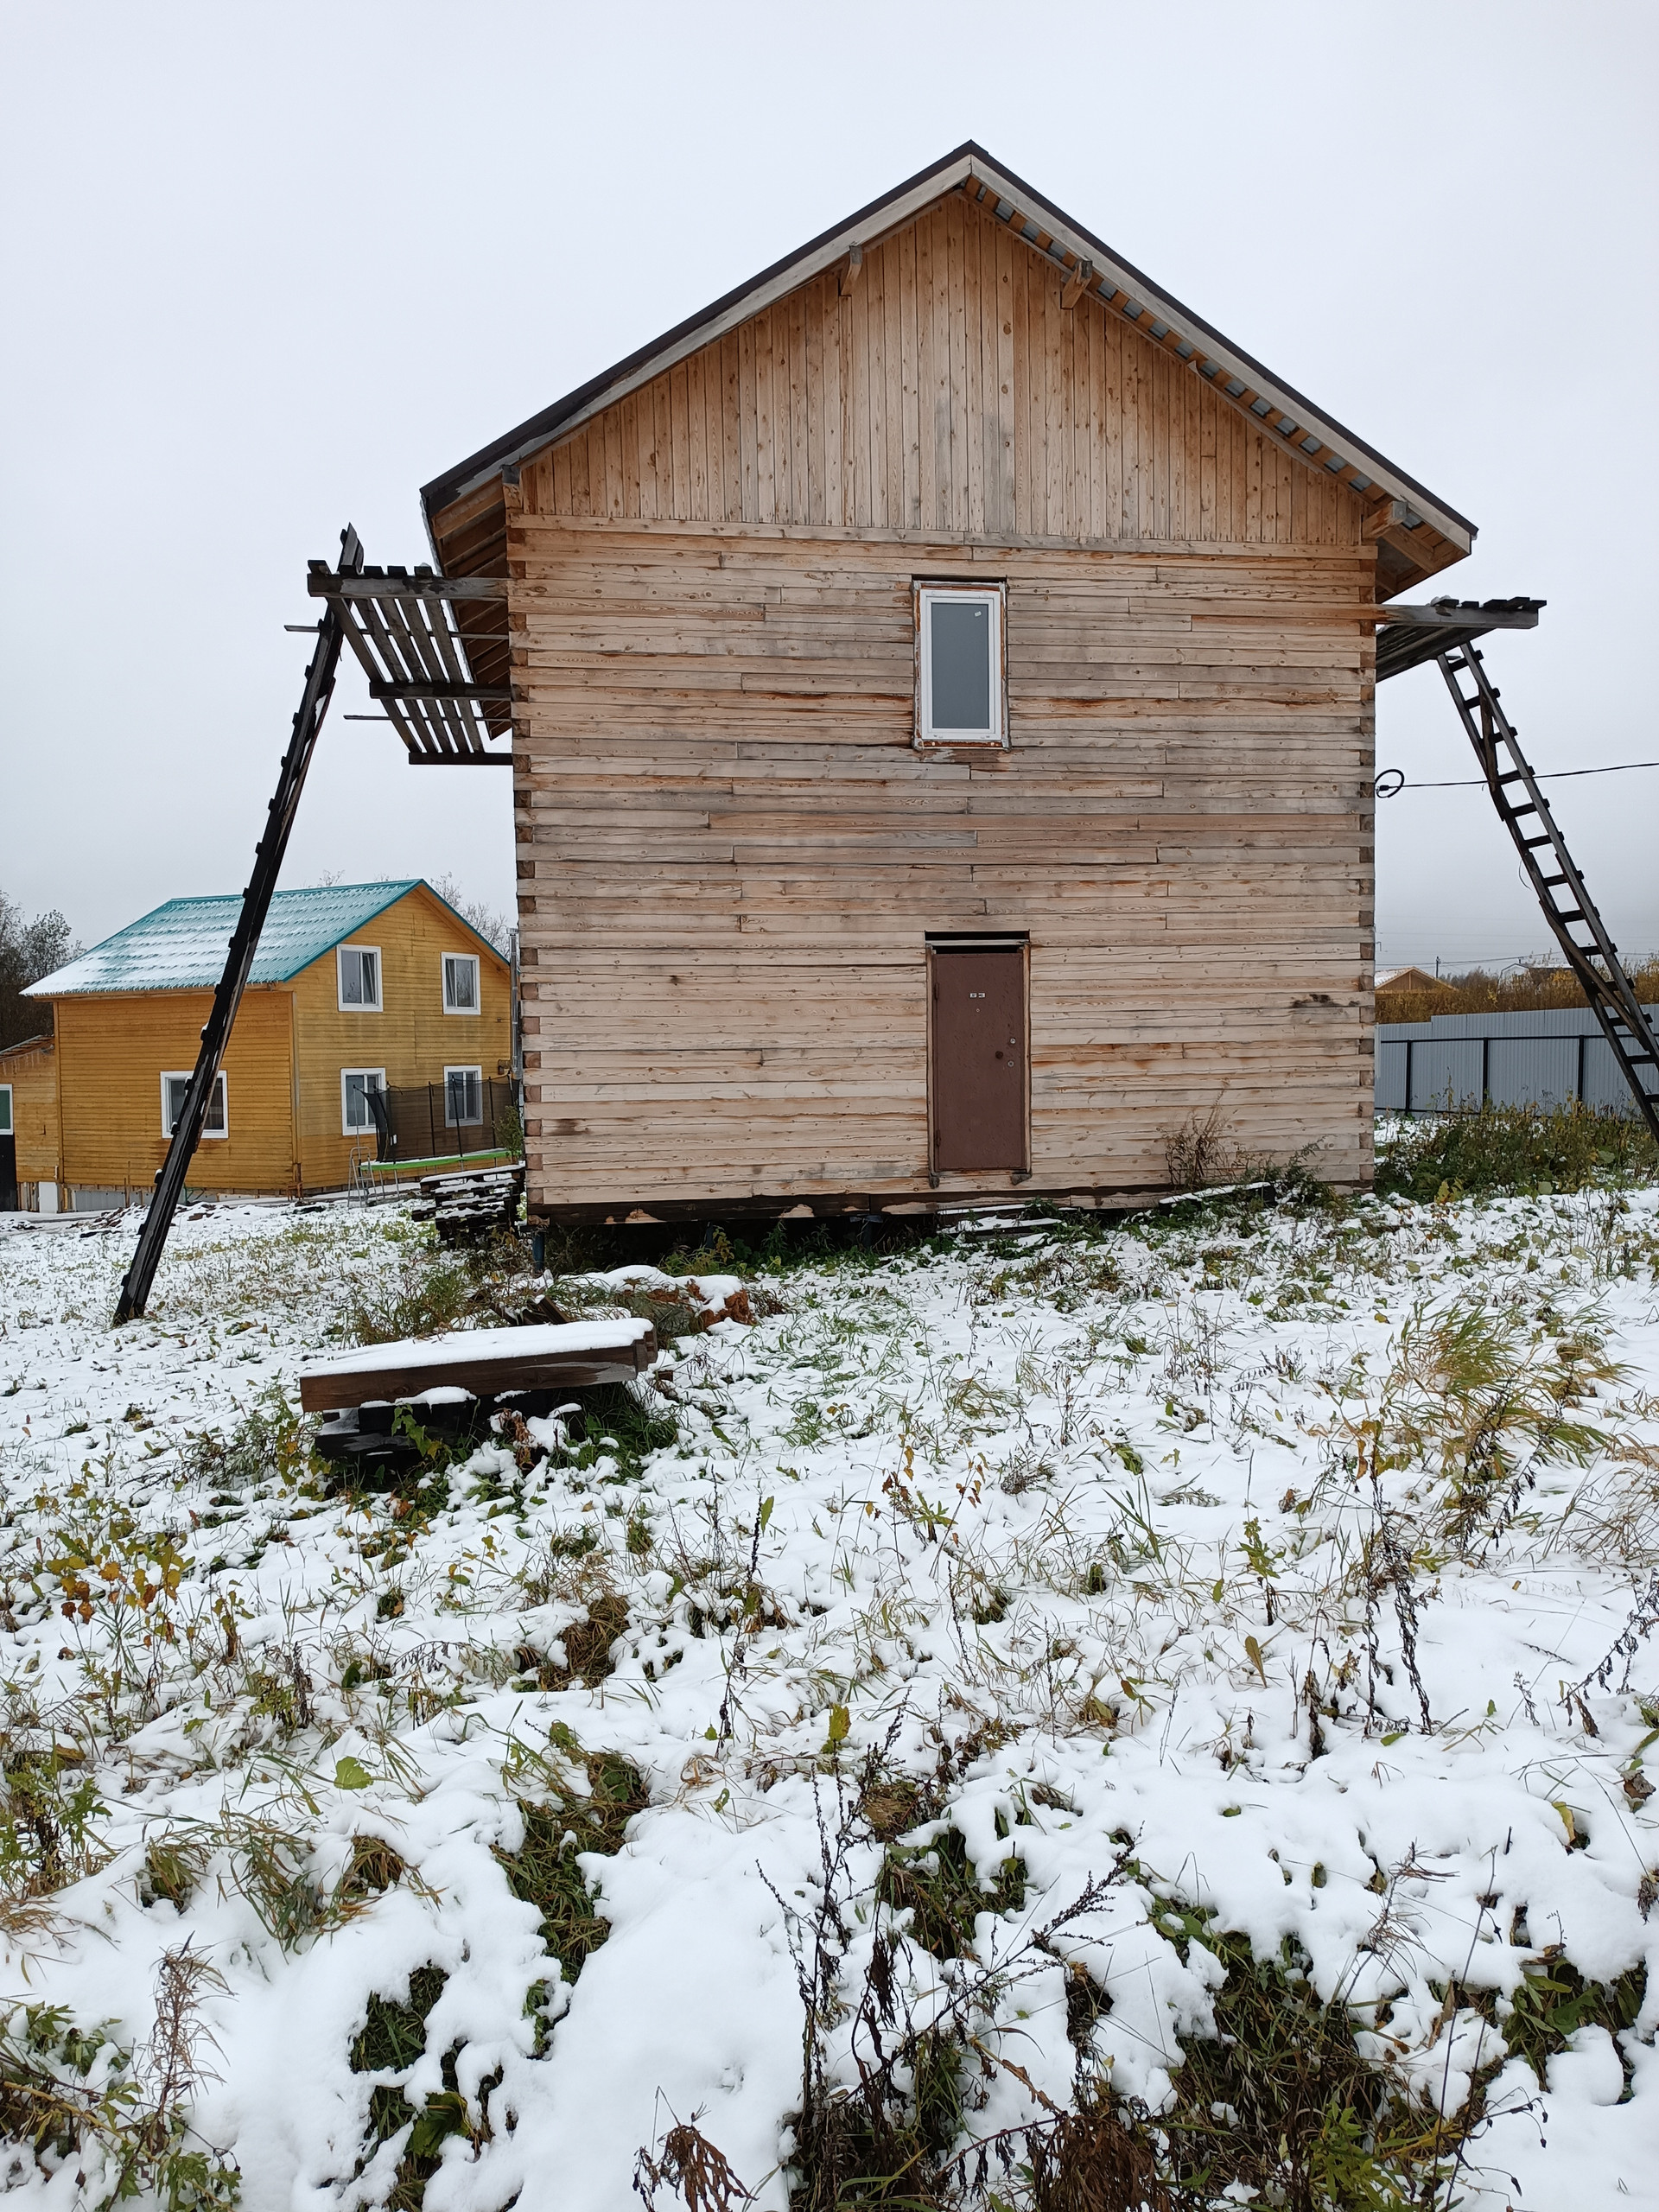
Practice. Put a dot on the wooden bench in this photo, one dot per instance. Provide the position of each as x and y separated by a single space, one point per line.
485 1363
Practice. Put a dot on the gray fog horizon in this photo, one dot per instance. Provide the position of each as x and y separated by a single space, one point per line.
267 270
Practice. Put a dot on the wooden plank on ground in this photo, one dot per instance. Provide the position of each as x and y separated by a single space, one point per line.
573 1355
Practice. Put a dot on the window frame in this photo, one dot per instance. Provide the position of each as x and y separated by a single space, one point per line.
347 1127
183 1076
477 964
359 1006
9 1127
926 593
463 1121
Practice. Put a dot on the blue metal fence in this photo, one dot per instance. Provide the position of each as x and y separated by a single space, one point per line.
1457 1060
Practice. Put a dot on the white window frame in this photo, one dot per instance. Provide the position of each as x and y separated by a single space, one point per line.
347 1127
9 1127
184 1075
926 597
477 967
450 1122
354 1006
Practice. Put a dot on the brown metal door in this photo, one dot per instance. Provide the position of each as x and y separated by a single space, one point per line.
979 1059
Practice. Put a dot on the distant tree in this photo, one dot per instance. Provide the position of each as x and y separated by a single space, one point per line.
485 919
28 951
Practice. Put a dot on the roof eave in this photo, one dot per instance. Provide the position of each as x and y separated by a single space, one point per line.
731 308
863 228
51 987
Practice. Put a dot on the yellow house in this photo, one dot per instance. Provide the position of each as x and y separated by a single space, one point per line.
377 1023
28 1124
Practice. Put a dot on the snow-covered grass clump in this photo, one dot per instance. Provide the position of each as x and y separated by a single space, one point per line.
1169 1699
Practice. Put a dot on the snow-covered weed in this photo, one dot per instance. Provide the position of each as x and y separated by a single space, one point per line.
1300 1552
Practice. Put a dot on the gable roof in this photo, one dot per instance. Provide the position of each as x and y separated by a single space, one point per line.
1316 436
181 946
25 1046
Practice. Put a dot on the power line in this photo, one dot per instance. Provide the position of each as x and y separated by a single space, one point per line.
1479 783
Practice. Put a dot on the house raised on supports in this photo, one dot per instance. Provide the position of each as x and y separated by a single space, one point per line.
939 682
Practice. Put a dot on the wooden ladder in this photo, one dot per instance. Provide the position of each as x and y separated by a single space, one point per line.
1567 905
244 943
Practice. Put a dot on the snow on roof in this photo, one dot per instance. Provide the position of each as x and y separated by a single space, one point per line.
181 946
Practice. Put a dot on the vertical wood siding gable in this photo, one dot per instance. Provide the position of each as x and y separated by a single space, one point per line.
948 390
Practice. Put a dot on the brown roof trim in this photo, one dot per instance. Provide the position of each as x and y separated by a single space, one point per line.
968 161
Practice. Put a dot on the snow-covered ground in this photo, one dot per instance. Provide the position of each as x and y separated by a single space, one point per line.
1280 1564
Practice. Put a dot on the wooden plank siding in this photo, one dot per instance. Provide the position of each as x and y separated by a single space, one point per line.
111 1054
948 391
730 851
32 1078
411 1037
283 1066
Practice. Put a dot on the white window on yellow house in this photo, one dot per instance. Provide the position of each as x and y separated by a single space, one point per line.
5 1110
360 978
356 1115
463 1097
461 982
175 1086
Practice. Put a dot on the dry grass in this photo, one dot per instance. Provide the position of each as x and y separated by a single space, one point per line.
694 2167
1534 987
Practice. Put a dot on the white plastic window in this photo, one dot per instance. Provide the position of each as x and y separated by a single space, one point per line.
461 982
175 1085
360 979
355 1118
5 1110
959 664
463 1097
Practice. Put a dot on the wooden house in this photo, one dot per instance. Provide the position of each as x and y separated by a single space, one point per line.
940 682
29 1126
356 989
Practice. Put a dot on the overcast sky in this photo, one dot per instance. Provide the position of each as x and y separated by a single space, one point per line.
267 268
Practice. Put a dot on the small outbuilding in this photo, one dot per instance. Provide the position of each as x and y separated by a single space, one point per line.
375 1019
940 682
29 1126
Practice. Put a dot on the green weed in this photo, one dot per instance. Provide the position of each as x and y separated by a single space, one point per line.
393 2038
1520 1150
268 1444
1280 2101
939 1887
48 1821
423 1293
66 2090
543 1872
1553 2002
616 1420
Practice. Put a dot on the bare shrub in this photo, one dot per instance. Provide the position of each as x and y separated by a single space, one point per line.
1202 1153
694 2167
1090 2159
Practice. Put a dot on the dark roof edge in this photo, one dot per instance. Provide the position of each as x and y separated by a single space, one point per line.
541 428
1249 361
437 495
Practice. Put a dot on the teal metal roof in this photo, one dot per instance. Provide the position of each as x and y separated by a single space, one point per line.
181 946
